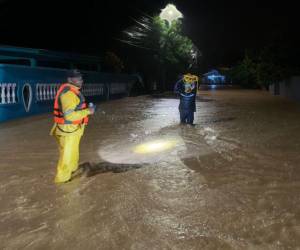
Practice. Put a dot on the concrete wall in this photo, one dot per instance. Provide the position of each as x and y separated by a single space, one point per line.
289 88
27 91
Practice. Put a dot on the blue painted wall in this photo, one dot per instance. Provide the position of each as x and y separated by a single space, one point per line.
99 86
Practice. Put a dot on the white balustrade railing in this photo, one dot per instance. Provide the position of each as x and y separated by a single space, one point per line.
93 89
46 91
8 93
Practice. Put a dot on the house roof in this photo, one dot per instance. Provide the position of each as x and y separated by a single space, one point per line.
212 72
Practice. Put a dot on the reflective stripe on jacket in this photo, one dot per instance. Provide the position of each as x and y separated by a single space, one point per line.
60 114
187 100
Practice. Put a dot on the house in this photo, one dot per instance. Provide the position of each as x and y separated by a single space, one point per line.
289 88
30 79
213 77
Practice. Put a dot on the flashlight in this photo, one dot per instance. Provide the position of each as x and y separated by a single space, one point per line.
92 105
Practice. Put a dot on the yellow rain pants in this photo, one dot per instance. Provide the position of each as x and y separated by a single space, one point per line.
68 157
68 137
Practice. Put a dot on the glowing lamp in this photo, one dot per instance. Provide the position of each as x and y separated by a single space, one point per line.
170 13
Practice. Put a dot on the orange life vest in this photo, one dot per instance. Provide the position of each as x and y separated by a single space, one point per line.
58 113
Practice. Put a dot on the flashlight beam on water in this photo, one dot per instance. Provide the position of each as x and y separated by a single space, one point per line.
149 151
154 147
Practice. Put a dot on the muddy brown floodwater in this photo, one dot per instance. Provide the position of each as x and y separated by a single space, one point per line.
230 182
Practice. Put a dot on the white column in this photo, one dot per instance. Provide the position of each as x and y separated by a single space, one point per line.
40 92
37 92
0 93
14 87
8 93
3 100
50 92
53 91
47 92
44 92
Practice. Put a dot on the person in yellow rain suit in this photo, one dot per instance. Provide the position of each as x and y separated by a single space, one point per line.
70 118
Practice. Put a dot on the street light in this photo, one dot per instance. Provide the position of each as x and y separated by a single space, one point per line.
170 13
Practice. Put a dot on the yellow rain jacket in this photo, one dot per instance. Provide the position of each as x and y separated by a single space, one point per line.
68 136
69 102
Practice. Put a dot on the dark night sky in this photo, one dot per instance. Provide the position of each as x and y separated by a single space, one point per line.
221 29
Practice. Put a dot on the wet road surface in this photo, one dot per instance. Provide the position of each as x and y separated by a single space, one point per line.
230 182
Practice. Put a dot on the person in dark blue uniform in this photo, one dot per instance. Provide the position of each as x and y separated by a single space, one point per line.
186 87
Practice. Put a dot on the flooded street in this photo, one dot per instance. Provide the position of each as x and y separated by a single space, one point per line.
230 182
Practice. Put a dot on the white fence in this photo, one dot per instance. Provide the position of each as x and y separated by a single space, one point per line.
93 89
8 93
47 91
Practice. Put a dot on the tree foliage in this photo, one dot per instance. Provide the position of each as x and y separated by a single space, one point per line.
170 50
174 48
244 73
268 66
